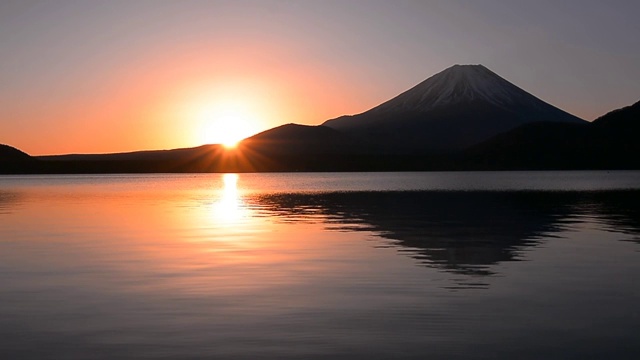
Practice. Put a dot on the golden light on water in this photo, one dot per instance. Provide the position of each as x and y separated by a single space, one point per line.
229 209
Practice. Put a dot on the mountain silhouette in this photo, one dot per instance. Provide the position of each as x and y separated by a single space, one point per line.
624 120
609 142
296 139
619 131
14 161
450 111
182 154
9 153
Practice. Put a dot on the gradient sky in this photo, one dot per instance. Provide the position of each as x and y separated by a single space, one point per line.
109 76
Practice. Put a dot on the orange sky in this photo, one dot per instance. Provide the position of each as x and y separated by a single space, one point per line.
171 98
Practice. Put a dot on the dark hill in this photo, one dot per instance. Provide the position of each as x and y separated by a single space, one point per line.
147 155
610 142
624 119
540 145
619 135
206 158
9 153
14 161
297 139
294 147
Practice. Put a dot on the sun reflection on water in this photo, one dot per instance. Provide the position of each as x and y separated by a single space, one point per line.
229 210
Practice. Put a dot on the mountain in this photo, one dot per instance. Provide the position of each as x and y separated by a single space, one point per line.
9 153
619 134
539 145
145 155
624 119
14 161
450 111
205 158
294 147
609 142
297 139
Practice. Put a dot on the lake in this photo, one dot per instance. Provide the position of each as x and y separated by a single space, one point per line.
464 265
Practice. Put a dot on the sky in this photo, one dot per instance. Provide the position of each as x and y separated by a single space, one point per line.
111 76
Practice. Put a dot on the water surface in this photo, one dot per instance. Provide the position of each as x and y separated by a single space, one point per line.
378 265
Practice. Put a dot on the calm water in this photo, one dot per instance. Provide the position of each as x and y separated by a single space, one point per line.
337 266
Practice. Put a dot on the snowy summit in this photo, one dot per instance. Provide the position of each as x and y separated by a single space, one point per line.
458 107
459 84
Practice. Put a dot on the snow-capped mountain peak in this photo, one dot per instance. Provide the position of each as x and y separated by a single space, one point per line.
452 110
458 84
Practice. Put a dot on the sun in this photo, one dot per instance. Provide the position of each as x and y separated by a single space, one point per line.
230 131
226 124
230 144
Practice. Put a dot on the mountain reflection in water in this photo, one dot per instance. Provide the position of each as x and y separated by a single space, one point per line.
466 233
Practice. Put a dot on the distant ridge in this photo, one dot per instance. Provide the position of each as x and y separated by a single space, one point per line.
624 118
452 110
9 153
172 154
295 138
609 142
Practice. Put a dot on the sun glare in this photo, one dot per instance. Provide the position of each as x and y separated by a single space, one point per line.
226 124
230 144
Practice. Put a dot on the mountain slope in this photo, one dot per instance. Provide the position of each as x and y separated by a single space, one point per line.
619 133
452 110
205 158
9 153
609 142
539 145
144 155
297 139
625 119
